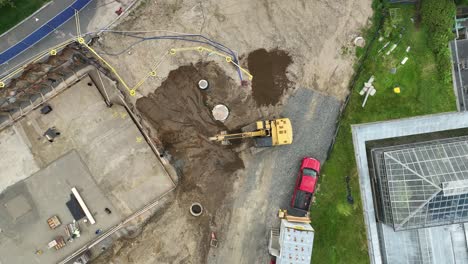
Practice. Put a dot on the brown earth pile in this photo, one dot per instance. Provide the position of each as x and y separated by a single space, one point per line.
181 115
269 75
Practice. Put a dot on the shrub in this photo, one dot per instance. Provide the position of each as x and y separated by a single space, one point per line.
6 2
438 18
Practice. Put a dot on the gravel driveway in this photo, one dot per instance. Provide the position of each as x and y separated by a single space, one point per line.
268 181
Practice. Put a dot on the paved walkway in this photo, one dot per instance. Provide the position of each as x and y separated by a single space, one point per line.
27 26
96 15
41 29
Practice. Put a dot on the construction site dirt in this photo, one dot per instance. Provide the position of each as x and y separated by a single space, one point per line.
180 114
294 52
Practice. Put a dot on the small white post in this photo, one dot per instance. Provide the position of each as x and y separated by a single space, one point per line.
365 99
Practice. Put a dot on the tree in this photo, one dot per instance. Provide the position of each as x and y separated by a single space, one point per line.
6 2
438 20
438 15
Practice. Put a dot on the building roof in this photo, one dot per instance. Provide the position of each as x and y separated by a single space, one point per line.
428 184
445 244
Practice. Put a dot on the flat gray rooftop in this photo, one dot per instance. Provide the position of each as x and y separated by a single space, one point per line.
44 194
112 165
443 244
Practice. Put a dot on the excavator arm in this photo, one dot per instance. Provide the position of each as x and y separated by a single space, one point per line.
224 136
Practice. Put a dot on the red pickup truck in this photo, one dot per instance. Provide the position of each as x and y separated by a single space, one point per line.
305 184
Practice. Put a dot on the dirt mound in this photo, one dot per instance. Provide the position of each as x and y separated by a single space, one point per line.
269 75
181 114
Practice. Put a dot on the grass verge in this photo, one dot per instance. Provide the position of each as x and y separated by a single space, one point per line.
340 231
10 16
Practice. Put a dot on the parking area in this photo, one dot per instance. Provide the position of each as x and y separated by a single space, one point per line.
99 150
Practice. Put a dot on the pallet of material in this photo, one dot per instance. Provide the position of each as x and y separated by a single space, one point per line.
57 243
53 222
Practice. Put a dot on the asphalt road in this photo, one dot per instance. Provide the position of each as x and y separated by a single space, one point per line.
32 23
96 15
269 179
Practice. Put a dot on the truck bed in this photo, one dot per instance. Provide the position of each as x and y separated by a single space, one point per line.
302 200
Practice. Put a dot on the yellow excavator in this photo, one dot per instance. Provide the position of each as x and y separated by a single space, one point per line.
265 133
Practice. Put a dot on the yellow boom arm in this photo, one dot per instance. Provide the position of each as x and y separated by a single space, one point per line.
222 137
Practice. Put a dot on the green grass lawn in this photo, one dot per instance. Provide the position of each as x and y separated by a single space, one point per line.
10 16
340 231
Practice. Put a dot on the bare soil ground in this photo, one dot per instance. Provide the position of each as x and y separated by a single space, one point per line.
302 44
180 114
314 33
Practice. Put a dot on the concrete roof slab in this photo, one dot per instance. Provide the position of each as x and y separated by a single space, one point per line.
43 195
111 165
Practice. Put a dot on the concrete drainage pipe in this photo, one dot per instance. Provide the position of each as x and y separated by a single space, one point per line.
196 209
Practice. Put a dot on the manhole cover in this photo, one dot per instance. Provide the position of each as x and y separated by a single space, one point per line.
203 84
220 112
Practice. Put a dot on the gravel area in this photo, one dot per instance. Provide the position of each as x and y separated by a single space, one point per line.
268 180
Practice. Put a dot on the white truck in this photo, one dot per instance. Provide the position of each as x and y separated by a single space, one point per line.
292 243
